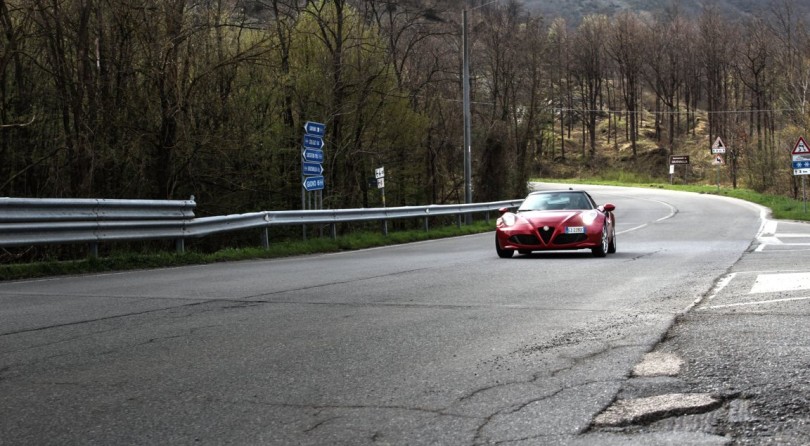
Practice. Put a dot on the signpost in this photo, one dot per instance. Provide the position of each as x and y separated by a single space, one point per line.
801 165
379 174
677 159
312 179
718 150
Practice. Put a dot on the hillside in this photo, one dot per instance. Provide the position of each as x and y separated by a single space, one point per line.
574 10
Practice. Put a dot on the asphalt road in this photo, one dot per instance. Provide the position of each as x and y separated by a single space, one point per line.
438 342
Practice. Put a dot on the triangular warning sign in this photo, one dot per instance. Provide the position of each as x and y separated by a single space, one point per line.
718 146
800 147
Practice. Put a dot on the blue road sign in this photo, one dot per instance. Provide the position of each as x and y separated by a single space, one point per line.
313 183
313 142
312 168
312 156
801 164
315 128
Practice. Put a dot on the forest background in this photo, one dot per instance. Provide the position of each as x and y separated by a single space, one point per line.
172 98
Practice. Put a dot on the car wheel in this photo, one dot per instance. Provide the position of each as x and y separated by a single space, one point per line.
602 249
612 244
503 253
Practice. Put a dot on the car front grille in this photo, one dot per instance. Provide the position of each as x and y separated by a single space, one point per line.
564 239
545 233
522 239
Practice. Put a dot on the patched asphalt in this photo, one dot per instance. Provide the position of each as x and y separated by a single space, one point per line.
733 369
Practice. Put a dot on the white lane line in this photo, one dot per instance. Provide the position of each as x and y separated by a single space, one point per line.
672 211
722 283
632 229
761 302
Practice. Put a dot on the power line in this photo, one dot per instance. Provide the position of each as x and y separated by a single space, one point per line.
667 112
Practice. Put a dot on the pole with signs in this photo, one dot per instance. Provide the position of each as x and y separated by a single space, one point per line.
311 162
379 174
679 160
312 179
801 165
718 150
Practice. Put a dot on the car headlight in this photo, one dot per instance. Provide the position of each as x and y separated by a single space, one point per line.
589 217
508 219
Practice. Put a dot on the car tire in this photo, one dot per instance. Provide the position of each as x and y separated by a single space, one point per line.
503 253
602 249
612 244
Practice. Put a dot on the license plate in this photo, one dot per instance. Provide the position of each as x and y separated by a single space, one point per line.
575 230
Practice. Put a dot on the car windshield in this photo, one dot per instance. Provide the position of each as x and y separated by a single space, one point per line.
556 201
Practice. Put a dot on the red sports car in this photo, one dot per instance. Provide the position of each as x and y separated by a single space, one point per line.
557 220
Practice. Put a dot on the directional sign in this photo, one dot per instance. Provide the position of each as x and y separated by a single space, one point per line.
801 147
312 155
315 128
718 147
313 142
312 169
313 183
679 159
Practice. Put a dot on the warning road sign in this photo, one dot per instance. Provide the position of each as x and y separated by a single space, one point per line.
718 147
801 147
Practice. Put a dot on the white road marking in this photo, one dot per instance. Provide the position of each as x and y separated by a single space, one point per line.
761 302
774 283
722 283
632 229
768 227
768 236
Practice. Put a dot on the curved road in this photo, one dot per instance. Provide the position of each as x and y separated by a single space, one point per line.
438 342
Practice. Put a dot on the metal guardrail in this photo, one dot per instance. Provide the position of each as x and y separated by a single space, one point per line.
29 221
29 210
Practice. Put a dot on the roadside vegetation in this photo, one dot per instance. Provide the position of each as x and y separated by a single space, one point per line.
166 100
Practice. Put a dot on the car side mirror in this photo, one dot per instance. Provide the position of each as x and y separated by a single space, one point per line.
609 207
503 210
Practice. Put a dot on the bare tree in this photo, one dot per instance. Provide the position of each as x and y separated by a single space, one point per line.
589 68
626 46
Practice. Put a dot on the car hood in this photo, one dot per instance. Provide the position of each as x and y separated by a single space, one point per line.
549 218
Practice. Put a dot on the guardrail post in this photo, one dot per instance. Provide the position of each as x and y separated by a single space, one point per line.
334 231
385 227
458 220
180 245
487 217
265 239
93 249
